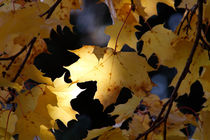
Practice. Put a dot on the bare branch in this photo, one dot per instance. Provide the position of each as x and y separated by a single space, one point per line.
26 58
160 120
12 58
51 9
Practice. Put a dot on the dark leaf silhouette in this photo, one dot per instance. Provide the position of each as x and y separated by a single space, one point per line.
91 115
187 104
58 46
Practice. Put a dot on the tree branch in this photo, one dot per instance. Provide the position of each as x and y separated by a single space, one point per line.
12 58
181 78
26 58
51 10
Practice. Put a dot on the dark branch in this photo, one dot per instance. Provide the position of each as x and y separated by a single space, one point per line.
26 58
12 58
181 78
51 10
185 17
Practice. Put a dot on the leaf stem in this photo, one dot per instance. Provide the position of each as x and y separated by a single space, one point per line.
118 35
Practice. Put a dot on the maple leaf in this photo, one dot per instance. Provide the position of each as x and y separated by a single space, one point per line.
150 6
14 40
128 30
36 122
155 42
9 128
109 108
27 23
112 72
120 8
182 48
160 18
92 114
114 134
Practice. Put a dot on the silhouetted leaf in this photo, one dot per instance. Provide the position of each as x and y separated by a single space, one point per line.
192 102
58 45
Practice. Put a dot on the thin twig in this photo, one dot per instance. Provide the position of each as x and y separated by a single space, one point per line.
207 46
183 20
165 130
51 9
181 78
26 58
186 14
12 58
118 35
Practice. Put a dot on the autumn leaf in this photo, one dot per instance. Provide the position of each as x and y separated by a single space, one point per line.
159 41
36 122
7 116
111 73
127 30
52 86
150 6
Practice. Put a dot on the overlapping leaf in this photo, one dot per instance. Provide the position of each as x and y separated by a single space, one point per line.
112 72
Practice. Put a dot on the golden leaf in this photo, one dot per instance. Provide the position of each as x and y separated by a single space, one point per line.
97 132
112 73
126 110
115 134
183 49
150 6
159 41
11 118
127 35
37 122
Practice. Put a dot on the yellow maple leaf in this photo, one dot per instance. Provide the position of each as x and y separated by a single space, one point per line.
150 6
126 110
115 134
31 72
36 122
126 36
97 132
159 41
183 49
28 23
27 100
119 10
112 72
6 116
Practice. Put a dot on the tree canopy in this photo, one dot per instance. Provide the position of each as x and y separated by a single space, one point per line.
74 70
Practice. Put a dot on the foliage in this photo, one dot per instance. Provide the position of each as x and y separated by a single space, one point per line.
54 85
